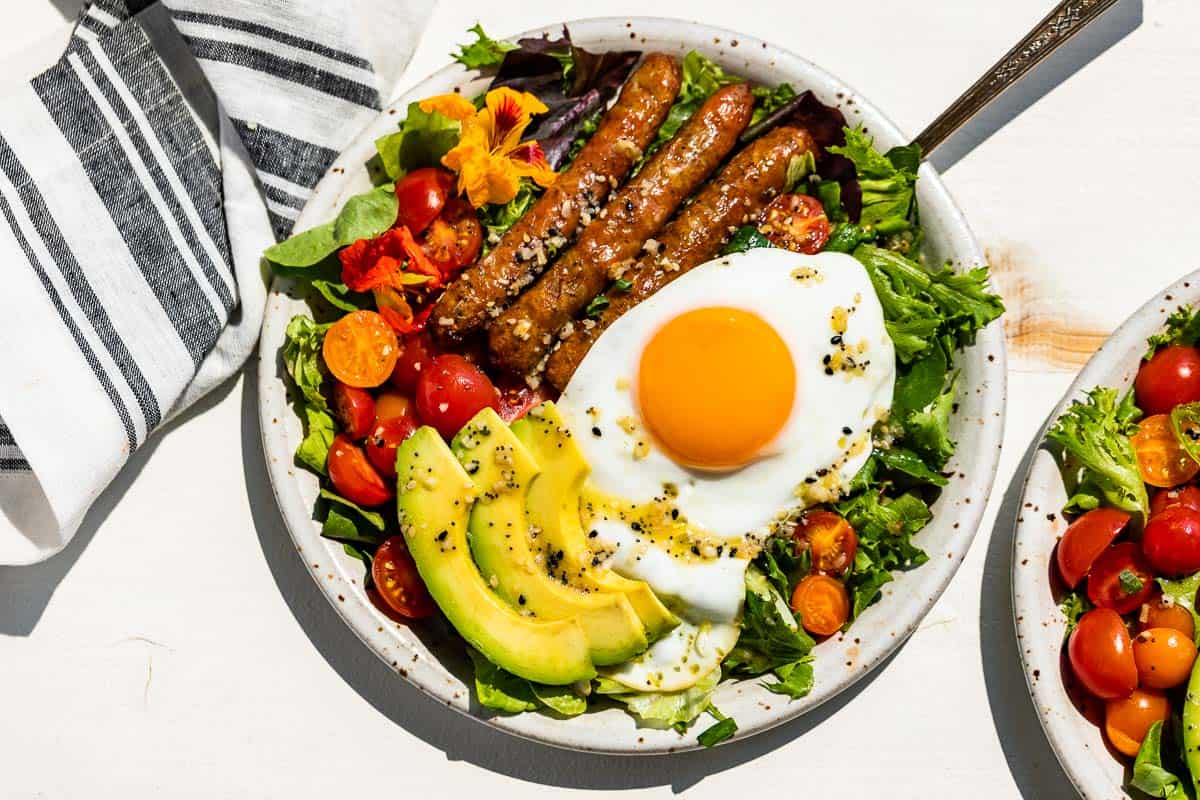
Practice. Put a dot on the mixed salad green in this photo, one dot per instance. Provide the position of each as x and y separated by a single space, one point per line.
869 199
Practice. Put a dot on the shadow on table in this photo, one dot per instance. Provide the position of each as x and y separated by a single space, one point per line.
25 591
1117 23
1031 762
457 736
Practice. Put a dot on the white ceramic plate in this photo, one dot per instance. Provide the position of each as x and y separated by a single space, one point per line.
432 659
1079 745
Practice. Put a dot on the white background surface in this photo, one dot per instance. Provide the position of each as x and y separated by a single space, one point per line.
179 648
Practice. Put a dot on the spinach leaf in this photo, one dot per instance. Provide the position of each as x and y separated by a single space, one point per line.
423 138
364 216
719 731
747 237
1149 775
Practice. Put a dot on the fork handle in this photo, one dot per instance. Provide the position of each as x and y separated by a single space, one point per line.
1067 19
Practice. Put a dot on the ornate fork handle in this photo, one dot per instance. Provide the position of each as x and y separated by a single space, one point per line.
1067 19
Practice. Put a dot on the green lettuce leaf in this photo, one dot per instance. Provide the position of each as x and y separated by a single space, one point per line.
561 699
1091 440
348 522
770 637
498 689
482 53
319 431
1149 776
747 237
719 731
1073 606
667 709
885 527
888 182
1185 422
302 359
768 100
497 219
1183 327
364 216
423 138
928 430
795 679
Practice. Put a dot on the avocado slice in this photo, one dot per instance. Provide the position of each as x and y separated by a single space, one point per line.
434 503
502 470
553 506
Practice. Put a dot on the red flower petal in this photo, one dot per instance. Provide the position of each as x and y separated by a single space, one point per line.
529 152
505 118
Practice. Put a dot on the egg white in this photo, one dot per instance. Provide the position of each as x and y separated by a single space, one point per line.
797 296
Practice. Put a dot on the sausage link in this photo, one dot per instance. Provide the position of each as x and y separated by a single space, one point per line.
736 196
521 337
483 290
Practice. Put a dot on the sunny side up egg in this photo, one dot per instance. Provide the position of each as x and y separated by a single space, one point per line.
742 392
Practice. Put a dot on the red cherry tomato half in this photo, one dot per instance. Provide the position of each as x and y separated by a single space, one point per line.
1101 654
422 194
393 404
353 476
417 353
354 409
384 438
455 238
1171 541
1179 496
1086 539
516 399
451 391
830 540
796 222
398 582
1120 579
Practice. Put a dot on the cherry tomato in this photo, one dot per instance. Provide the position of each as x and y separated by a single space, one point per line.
353 476
1171 541
516 399
360 349
1101 654
1164 657
452 391
393 404
830 539
1086 539
354 409
1161 460
455 238
422 194
1127 720
398 582
796 222
418 353
1179 496
1169 378
822 603
1121 579
1160 614
384 438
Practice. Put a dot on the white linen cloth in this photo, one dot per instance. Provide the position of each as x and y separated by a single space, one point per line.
141 177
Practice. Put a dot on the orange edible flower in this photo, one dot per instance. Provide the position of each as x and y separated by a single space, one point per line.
490 157
394 307
382 261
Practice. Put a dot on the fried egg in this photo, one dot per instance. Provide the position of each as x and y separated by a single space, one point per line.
743 391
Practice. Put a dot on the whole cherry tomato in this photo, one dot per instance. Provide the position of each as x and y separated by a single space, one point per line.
1171 541
1160 614
455 238
796 222
1161 459
384 439
451 391
417 353
422 194
398 582
1169 378
830 540
1127 720
1101 654
1121 579
1179 496
353 476
1164 657
354 409
1085 539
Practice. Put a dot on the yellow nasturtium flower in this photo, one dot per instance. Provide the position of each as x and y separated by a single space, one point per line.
490 157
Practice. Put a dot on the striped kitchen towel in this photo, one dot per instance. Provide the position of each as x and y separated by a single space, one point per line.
141 176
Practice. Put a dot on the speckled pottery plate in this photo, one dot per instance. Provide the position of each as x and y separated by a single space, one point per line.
431 657
1041 625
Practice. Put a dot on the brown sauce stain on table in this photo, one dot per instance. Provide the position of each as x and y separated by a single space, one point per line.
1044 332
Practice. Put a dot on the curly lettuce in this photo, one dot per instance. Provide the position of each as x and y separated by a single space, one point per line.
1091 443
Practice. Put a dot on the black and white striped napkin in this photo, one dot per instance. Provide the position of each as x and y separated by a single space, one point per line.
141 176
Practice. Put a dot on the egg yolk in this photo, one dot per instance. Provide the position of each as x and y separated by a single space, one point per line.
714 386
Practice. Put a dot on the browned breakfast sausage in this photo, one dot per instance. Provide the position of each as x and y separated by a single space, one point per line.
736 196
522 336
625 130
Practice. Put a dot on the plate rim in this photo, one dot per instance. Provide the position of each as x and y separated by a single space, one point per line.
992 387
